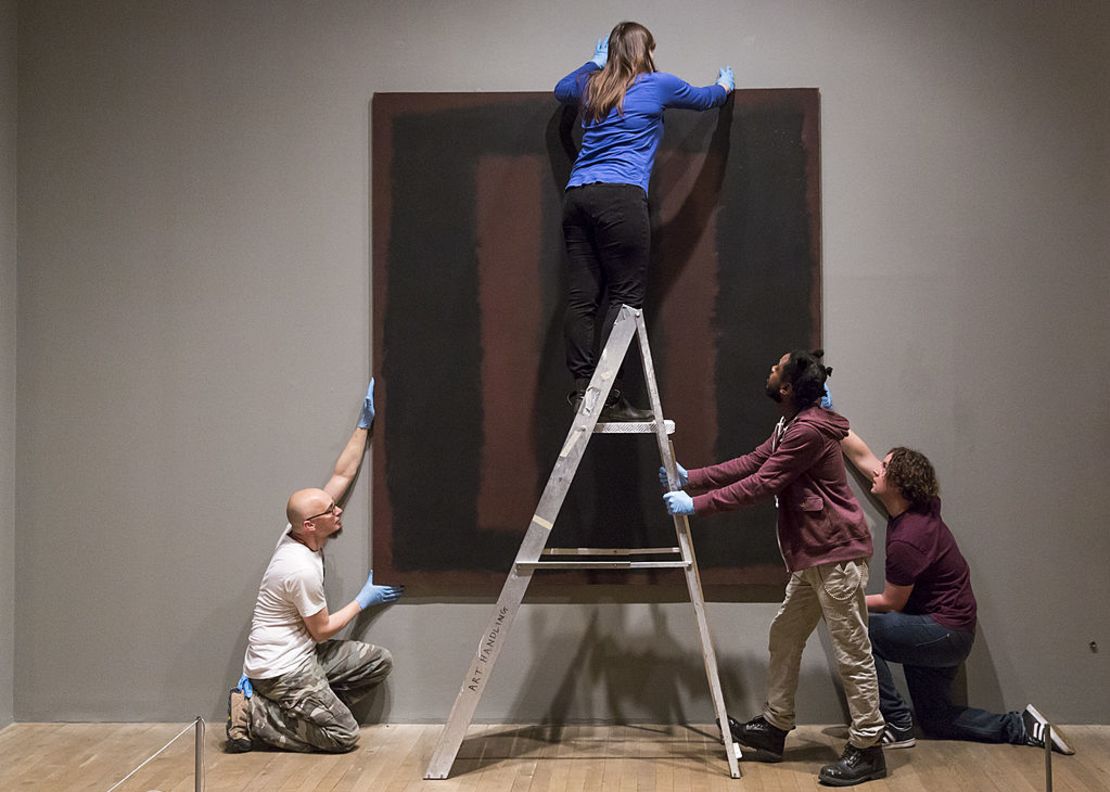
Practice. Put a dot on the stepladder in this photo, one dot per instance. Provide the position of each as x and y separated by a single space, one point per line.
534 555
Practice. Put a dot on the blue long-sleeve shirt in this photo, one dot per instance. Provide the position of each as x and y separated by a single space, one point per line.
620 149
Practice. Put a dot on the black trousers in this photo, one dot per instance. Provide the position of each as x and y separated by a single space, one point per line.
608 239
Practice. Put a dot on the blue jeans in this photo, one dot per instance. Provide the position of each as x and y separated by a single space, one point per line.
931 655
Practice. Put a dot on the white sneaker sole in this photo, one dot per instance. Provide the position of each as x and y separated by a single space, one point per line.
1059 742
910 743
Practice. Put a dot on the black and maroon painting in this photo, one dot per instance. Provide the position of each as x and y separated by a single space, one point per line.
468 288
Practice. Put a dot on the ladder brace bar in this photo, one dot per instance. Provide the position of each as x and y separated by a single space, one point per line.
534 565
606 551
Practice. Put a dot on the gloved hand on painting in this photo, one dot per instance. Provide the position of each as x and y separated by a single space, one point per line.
377 595
726 80
244 685
601 52
678 502
682 477
366 417
826 399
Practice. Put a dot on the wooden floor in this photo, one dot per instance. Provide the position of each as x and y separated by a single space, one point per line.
508 758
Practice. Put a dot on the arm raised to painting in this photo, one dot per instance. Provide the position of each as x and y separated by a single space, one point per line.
859 454
350 458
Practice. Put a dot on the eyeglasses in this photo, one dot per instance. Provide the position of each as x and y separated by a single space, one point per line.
329 510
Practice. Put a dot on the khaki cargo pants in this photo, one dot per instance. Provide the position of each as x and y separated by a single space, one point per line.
834 592
308 709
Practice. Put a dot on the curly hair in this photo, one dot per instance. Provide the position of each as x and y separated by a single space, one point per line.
912 473
806 375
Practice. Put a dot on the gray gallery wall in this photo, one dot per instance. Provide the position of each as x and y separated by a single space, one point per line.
194 330
8 101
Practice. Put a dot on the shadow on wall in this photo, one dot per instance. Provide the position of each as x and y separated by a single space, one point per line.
617 673
981 667
236 609
375 708
633 682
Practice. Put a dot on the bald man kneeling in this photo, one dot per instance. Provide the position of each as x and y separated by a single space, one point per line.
298 682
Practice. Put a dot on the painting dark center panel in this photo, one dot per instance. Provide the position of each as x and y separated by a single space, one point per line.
469 284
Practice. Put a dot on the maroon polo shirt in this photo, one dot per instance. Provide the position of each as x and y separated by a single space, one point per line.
921 552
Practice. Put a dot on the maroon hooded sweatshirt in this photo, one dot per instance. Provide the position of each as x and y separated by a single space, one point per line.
820 520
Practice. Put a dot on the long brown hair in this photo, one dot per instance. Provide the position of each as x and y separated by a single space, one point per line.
630 48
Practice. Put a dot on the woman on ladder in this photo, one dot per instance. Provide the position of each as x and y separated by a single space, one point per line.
605 211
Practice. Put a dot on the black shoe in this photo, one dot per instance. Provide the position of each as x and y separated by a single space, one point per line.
768 740
893 737
574 398
854 766
618 410
1035 723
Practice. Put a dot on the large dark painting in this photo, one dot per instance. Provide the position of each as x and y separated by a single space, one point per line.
468 281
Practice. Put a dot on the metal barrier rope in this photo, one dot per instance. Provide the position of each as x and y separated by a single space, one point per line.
198 771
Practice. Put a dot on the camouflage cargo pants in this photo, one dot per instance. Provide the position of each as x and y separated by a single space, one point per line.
308 709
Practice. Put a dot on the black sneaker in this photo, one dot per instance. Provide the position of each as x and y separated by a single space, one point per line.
893 737
854 766
767 739
1035 724
238 722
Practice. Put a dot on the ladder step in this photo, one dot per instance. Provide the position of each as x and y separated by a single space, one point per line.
534 565
608 551
632 427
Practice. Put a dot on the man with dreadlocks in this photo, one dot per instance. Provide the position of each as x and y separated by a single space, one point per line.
826 545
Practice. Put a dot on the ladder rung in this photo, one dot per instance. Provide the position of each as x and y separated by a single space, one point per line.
606 551
533 565
632 427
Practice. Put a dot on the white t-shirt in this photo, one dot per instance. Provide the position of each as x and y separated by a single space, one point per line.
292 588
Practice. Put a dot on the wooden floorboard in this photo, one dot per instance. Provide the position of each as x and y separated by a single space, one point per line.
82 757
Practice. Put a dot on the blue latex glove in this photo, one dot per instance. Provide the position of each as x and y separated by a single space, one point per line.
377 595
244 685
678 502
726 80
826 400
366 417
601 52
683 479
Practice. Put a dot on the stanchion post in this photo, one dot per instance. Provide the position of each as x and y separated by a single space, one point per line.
198 752
1048 757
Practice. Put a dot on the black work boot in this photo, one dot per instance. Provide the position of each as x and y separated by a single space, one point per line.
767 739
618 410
854 766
